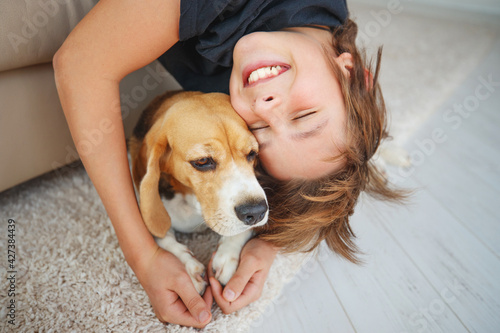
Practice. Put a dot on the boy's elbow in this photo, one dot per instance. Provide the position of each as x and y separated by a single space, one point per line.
68 63
57 59
61 63
68 68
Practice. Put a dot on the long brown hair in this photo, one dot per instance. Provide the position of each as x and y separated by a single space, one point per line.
305 212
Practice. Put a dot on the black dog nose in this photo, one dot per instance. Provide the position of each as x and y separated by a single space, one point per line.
251 213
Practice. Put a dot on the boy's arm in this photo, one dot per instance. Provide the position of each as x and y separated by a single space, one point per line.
114 39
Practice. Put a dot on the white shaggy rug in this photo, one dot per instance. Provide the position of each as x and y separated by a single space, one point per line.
70 272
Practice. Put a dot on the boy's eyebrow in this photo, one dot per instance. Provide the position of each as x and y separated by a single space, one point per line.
313 132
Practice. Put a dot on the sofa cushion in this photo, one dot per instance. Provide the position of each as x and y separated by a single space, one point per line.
31 31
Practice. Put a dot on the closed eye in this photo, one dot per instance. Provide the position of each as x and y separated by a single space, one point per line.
258 128
304 115
301 116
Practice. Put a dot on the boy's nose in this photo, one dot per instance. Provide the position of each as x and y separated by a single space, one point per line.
271 109
267 102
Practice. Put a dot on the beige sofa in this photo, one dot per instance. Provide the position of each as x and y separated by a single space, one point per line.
34 138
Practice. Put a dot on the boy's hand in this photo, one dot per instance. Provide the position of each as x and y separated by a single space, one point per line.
172 293
247 283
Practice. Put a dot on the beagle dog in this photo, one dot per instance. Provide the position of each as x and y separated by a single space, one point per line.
197 150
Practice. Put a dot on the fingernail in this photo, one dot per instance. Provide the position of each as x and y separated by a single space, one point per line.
204 316
229 295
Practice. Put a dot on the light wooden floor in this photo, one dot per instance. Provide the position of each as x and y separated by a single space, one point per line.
432 265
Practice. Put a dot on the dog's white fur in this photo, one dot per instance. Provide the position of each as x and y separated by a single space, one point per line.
235 189
186 215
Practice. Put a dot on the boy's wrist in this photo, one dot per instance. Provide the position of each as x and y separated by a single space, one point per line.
138 246
139 255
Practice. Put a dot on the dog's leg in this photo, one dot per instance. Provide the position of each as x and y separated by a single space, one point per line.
195 269
227 257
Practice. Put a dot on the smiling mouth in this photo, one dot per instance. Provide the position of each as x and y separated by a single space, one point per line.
264 73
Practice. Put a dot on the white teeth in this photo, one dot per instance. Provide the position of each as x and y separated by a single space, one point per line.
263 73
253 77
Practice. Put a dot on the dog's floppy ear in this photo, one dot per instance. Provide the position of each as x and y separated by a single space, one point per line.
153 212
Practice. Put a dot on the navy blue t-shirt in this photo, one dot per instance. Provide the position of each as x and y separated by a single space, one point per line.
209 30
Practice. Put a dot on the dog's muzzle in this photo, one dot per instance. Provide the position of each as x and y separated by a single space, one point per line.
251 213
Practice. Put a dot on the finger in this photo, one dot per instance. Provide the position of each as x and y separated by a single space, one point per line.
215 284
177 313
208 296
216 287
249 295
194 302
209 267
217 294
239 281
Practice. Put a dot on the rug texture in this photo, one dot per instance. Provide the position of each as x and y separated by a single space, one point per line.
70 274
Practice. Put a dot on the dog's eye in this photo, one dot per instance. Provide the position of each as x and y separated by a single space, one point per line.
251 156
204 164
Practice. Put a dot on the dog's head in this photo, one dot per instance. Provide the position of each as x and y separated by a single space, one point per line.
206 149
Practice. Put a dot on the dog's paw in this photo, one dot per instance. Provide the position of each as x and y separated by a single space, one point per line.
196 271
224 264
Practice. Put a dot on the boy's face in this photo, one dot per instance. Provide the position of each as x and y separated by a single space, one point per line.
283 86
